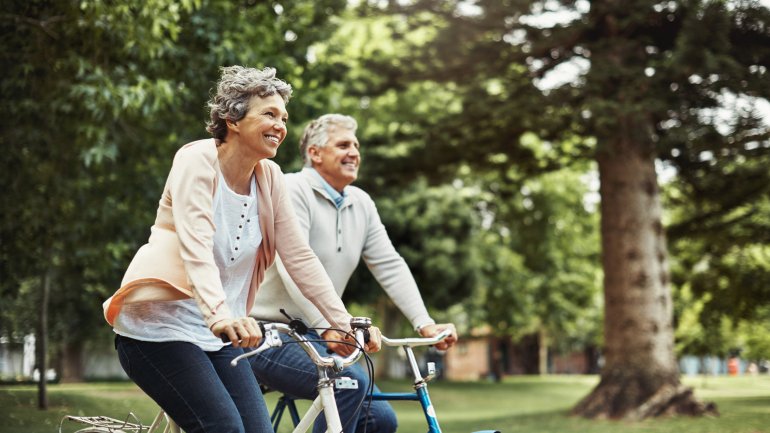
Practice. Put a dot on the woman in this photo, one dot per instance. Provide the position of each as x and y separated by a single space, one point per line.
221 219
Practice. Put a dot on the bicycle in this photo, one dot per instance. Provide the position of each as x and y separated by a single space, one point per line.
325 401
420 385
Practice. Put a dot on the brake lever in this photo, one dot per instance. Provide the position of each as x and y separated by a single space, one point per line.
297 325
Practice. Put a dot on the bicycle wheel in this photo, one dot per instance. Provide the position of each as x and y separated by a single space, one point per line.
102 424
98 430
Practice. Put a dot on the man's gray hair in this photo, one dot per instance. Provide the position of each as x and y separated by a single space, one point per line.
316 133
235 89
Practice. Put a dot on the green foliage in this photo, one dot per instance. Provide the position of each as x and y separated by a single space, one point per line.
720 255
435 230
96 97
71 98
535 267
651 78
554 231
752 340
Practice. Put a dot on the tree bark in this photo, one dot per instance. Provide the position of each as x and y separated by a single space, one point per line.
42 342
527 353
542 352
71 363
496 357
640 377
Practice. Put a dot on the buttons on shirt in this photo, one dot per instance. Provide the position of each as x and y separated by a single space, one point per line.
339 230
236 245
237 242
236 232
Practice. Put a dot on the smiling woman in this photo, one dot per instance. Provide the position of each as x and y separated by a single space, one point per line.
254 137
197 276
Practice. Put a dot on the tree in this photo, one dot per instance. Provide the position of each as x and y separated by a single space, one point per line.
436 230
402 140
548 223
648 77
96 98
60 107
719 214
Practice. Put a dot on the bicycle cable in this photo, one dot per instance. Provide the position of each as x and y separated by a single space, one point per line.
369 372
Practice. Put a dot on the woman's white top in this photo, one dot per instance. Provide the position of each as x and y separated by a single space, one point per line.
236 239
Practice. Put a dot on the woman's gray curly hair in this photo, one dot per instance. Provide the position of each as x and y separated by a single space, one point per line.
316 133
235 89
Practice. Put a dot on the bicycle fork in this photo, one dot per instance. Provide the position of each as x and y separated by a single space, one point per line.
420 392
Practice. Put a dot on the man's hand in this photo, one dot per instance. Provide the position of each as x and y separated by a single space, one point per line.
428 331
375 340
342 349
242 332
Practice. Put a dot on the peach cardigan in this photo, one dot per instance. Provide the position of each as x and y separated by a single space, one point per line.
177 262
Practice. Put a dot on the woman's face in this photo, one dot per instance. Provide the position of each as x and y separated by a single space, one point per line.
263 128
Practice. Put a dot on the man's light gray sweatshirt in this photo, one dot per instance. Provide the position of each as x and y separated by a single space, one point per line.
340 238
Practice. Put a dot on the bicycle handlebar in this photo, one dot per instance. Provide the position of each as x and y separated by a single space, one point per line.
415 342
271 339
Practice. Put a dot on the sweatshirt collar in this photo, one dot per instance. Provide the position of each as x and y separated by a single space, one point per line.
337 198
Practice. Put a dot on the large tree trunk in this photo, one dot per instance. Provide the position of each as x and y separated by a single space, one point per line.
640 377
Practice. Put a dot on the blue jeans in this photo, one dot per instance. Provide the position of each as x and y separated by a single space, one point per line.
199 390
288 369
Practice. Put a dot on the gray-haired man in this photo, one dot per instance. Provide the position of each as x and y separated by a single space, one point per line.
343 227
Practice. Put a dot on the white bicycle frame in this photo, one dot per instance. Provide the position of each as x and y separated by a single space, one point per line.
325 401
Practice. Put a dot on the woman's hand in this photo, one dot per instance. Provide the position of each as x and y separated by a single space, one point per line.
242 331
433 330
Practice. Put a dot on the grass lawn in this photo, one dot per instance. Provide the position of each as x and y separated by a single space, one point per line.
520 404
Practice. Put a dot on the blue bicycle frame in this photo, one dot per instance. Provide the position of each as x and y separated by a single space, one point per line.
420 387
421 395
286 403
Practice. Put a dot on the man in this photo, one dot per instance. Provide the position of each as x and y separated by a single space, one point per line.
343 227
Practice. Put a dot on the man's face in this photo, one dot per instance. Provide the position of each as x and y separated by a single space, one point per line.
338 161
